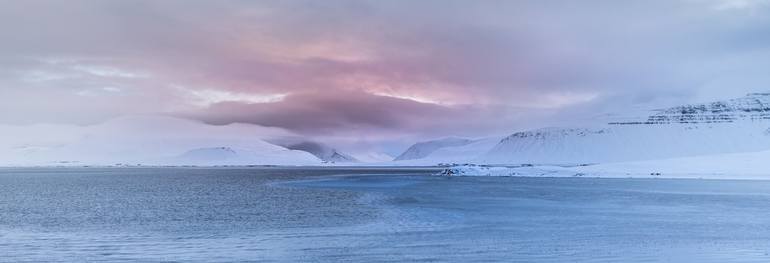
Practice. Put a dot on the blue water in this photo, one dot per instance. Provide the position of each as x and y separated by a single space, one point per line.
366 214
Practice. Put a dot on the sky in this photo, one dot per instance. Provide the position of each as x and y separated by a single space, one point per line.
375 72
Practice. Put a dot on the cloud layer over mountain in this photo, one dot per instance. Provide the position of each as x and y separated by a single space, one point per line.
374 70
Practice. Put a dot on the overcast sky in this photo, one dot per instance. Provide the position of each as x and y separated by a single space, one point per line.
378 70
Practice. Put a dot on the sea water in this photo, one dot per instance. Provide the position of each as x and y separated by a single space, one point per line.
373 215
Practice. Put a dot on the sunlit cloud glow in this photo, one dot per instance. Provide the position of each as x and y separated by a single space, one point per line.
377 69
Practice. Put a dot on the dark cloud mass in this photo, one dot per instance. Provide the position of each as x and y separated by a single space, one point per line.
355 112
374 68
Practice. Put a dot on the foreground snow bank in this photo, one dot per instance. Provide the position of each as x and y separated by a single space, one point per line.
752 165
755 165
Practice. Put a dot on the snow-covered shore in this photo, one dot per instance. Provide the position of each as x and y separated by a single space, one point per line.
748 166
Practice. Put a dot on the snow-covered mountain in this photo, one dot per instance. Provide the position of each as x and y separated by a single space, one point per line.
716 128
146 140
233 156
209 154
628 143
721 127
320 150
423 149
731 126
454 153
373 157
754 107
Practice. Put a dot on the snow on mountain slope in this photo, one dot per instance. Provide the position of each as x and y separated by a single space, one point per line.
232 156
423 149
456 154
209 154
626 143
466 152
754 106
320 150
140 139
730 126
372 157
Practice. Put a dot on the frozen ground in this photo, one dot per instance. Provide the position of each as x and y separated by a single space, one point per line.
374 215
754 165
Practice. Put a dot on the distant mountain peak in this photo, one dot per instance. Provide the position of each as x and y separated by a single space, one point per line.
546 133
752 107
319 150
422 149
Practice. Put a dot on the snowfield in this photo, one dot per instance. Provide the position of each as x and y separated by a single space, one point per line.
749 166
753 165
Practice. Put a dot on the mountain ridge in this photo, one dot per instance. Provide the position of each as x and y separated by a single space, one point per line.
724 126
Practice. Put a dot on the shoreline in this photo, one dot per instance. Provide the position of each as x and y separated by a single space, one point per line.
534 171
590 171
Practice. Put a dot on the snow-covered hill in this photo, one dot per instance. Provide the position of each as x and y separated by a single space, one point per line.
627 143
373 157
753 107
455 154
423 149
145 140
209 154
233 156
320 150
732 126
729 126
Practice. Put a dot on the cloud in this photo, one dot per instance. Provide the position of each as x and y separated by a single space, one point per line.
739 4
350 113
374 67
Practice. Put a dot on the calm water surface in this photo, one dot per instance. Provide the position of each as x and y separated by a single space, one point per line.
367 214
